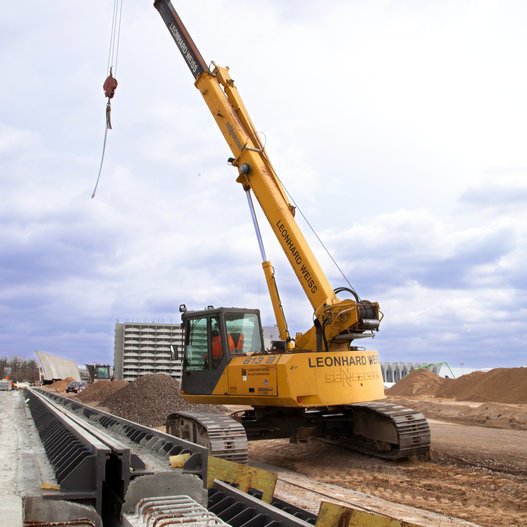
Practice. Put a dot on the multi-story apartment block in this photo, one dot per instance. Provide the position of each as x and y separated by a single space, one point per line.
142 348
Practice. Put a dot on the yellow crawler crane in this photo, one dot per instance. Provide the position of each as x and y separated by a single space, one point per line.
315 385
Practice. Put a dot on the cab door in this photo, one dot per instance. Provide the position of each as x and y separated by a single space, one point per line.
204 355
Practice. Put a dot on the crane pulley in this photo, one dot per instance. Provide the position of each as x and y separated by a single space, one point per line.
109 87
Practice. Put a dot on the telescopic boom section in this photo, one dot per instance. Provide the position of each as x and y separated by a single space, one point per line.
183 40
335 317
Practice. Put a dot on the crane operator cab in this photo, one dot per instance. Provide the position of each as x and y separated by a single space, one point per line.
212 337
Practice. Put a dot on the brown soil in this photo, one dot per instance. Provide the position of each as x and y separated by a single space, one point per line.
501 385
492 415
477 474
100 390
470 486
59 386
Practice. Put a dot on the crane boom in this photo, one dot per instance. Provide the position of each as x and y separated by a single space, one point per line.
337 321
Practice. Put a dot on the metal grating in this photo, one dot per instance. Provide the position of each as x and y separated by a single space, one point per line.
157 441
55 436
78 458
171 510
239 509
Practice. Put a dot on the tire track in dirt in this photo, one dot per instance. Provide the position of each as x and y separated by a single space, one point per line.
475 494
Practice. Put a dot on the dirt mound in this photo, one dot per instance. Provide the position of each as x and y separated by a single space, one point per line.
501 385
100 390
149 399
417 382
59 386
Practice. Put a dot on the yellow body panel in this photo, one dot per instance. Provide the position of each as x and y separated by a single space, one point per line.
243 476
333 515
298 380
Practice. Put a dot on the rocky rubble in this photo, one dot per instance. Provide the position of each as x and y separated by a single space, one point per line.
100 390
150 398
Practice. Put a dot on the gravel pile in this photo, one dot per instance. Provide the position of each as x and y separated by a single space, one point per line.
150 398
100 390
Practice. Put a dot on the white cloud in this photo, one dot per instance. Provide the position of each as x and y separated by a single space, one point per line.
398 128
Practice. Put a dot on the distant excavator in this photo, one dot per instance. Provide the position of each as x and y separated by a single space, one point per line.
317 384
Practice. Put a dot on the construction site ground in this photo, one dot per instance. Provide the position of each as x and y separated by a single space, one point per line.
477 472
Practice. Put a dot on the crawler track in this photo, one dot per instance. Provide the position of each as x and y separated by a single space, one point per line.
388 431
377 429
223 436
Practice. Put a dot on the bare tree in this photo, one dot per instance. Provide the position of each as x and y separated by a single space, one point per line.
20 369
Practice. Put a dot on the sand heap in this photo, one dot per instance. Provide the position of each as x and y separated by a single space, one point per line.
59 386
150 399
100 390
501 385
417 382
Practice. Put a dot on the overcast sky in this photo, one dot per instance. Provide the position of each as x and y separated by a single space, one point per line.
398 127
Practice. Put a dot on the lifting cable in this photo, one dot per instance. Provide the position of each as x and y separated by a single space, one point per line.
110 84
355 294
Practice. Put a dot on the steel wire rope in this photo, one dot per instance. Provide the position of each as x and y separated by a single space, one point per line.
113 57
255 135
354 292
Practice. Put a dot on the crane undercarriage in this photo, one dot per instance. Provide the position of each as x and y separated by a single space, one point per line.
378 429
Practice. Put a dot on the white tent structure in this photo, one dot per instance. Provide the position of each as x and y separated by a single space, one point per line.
53 368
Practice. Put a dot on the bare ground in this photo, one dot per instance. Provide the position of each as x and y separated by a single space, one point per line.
478 474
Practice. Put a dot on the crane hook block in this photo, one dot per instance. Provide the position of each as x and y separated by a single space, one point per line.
109 86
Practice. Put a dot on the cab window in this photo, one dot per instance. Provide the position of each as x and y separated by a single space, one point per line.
243 330
216 342
197 344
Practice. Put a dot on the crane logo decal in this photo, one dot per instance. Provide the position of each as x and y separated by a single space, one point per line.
232 133
346 360
297 258
183 47
347 377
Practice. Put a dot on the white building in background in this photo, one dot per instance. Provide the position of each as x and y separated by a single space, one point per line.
142 348
393 372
